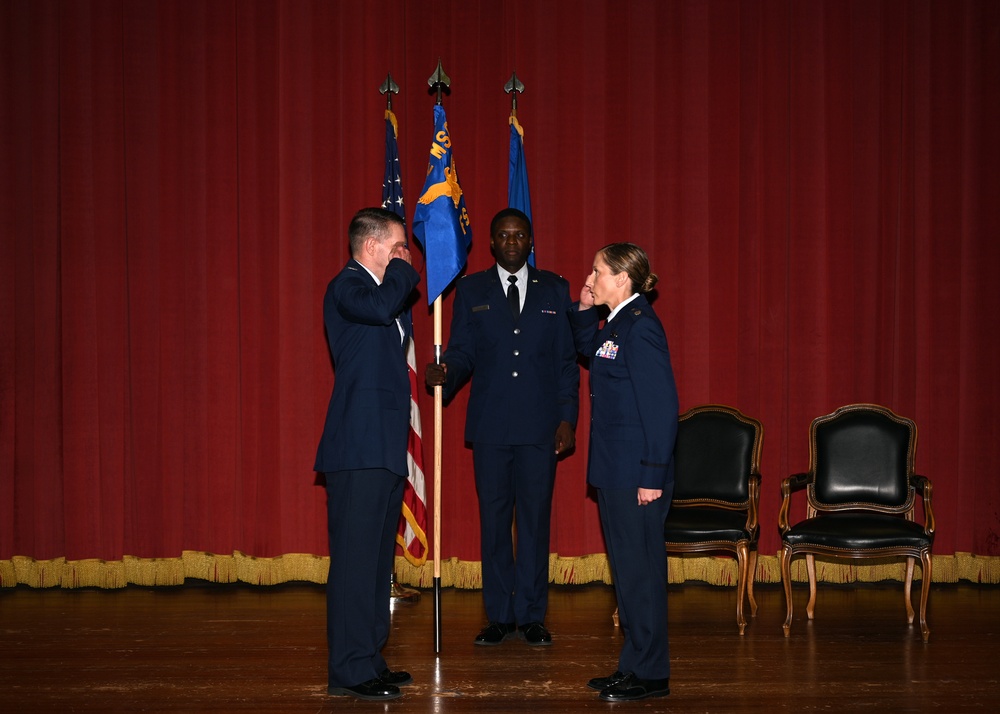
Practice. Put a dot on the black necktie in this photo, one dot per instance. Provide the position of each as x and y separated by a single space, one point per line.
514 296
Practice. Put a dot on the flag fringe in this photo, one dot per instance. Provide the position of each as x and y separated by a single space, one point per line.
514 123
391 116
420 538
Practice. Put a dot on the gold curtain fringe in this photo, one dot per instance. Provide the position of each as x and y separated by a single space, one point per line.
282 569
304 567
580 570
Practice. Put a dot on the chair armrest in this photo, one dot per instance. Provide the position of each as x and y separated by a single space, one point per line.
753 508
923 484
795 482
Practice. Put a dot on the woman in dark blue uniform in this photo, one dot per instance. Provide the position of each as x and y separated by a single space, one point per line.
633 426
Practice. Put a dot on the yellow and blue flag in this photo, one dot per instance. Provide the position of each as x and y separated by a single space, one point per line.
518 195
441 221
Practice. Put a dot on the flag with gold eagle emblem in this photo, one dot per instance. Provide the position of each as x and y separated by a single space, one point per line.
440 220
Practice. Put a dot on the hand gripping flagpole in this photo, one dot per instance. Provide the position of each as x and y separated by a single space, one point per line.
439 82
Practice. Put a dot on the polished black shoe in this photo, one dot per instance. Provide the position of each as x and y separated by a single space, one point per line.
373 689
397 678
600 683
630 688
495 633
534 633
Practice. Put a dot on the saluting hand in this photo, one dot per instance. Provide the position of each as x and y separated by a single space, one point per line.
403 253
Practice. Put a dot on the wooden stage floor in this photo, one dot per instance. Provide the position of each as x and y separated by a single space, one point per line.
236 648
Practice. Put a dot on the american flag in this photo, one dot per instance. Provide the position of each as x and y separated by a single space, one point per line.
412 535
392 184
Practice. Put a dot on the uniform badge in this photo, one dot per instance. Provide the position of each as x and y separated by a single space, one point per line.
609 350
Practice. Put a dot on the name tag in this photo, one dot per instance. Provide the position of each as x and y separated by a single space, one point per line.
480 308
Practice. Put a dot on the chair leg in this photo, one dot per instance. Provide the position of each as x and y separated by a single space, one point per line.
742 562
786 580
925 591
811 569
752 575
908 588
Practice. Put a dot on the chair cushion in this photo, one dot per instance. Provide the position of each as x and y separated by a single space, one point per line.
690 525
858 531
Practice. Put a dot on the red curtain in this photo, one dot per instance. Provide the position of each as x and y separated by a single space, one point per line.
815 183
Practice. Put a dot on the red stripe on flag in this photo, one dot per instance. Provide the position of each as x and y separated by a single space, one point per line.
412 535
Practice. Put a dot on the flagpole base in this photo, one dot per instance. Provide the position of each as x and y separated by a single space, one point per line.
437 615
401 592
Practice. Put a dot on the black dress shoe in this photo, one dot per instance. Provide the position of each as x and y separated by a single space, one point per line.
600 683
495 633
535 634
398 678
373 689
630 688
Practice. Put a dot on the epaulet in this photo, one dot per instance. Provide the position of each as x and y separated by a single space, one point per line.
551 272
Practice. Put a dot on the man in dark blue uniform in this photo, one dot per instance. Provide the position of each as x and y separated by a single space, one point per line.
363 449
510 333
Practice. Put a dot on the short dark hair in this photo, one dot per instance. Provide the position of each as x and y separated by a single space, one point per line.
370 222
510 213
632 260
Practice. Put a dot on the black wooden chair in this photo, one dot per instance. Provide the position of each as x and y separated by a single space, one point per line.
860 492
717 492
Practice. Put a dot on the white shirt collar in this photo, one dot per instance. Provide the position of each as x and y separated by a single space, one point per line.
522 277
377 281
621 305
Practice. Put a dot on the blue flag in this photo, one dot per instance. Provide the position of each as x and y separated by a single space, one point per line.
440 221
392 184
518 195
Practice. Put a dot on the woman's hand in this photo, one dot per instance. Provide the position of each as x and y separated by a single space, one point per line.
648 495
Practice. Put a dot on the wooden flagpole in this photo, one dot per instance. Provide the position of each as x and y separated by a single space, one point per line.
439 83
438 418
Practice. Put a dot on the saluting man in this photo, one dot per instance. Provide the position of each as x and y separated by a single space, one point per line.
363 449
